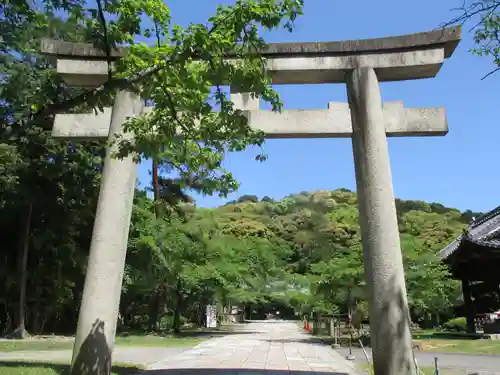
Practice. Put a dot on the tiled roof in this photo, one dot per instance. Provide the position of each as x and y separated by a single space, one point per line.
485 231
450 248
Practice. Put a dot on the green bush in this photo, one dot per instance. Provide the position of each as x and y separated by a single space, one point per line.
456 325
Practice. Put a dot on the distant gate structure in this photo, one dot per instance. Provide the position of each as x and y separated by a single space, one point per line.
361 65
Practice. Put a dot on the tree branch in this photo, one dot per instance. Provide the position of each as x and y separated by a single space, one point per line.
107 45
490 73
474 9
485 10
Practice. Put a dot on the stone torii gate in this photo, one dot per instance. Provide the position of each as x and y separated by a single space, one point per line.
361 65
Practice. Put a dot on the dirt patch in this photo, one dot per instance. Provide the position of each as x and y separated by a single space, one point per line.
432 346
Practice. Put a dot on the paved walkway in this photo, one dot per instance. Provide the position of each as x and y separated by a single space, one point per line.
260 347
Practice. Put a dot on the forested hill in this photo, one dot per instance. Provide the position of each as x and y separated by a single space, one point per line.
302 251
316 224
322 231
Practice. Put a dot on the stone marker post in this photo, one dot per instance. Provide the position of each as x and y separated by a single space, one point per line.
336 333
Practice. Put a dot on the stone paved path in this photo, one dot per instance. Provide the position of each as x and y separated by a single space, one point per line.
261 347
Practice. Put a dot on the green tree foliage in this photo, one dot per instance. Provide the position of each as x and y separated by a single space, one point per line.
232 255
176 70
181 266
50 187
485 18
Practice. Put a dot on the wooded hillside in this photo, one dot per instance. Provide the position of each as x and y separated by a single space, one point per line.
322 231
302 251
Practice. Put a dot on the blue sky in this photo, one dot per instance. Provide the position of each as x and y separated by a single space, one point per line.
459 170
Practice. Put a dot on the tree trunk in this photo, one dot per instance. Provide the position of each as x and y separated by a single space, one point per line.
156 188
154 311
37 312
349 306
20 331
177 310
201 314
6 322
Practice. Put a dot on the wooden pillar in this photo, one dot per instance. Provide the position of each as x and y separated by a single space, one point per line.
469 306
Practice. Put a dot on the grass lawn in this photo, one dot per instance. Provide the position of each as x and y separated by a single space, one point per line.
480 346
428 343
160 341
127 341
186 339
45 344
36 368
455 344
425 370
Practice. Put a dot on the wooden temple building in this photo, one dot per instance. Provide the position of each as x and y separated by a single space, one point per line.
474 258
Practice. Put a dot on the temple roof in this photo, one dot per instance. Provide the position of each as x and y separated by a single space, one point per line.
483 231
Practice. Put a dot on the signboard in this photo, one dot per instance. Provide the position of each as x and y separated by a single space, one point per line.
211 315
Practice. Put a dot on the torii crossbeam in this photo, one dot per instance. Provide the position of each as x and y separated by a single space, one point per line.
334 122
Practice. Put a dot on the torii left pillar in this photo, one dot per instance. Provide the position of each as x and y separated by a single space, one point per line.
99 308
103 281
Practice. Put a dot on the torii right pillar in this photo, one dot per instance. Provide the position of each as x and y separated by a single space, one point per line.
390 331
391 336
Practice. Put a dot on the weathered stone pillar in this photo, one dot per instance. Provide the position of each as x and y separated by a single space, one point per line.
103 282
389 316
336 333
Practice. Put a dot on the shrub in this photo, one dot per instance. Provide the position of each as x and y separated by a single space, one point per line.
456 325
365 339
414 326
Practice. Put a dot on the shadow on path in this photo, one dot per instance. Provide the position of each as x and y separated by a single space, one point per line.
212 333
235 371
94 356
306 340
